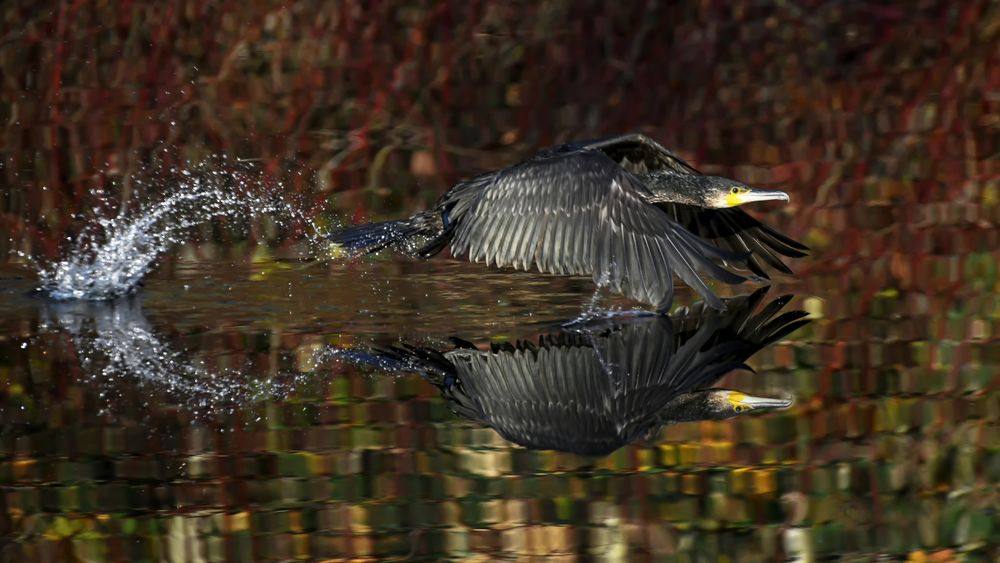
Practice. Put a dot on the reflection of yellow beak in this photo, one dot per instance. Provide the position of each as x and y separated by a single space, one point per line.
746 195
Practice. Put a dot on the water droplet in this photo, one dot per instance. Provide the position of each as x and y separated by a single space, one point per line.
114 253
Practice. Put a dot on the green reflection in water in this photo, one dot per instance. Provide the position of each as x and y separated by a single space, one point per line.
892 447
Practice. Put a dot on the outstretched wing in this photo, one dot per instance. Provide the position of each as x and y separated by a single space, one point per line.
735 230
580 213
732 229
639 154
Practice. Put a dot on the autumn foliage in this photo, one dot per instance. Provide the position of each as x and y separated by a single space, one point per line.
368 107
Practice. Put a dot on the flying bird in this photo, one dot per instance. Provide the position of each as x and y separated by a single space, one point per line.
593 391
624 210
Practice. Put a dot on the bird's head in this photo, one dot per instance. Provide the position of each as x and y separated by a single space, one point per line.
720 193
724 403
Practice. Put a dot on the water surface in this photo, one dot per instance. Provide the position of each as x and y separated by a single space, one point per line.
233 442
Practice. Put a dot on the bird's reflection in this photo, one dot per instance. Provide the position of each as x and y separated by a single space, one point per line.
116 344
595 388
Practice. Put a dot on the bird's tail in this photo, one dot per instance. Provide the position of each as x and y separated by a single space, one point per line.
372 237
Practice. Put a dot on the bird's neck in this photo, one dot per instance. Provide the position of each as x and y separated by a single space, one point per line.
688 407
670 187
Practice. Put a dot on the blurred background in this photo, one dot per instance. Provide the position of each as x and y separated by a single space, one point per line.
857 108
879 119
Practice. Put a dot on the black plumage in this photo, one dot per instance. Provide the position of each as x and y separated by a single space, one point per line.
730 228
623 210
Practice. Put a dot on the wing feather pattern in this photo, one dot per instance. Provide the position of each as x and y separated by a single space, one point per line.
736 230
730 229
580 213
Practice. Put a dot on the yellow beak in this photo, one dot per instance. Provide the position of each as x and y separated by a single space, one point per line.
752 195
749 402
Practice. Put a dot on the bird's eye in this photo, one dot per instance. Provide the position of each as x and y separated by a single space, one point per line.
739 408
735 190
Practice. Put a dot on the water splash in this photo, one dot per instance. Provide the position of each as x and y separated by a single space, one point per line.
112 255
594 313
592 310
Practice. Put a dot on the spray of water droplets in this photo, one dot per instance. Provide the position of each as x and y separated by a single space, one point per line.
113 254
594 312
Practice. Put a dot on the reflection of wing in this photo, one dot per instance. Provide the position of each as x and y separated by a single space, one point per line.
740 322
592 392
579 213
585 397
732 229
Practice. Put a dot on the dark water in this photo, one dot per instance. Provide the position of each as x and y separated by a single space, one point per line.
216 435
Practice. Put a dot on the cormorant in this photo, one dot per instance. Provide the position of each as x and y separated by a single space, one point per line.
624 209
592 392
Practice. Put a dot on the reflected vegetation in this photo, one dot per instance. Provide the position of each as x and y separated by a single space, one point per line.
890 447
604 383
